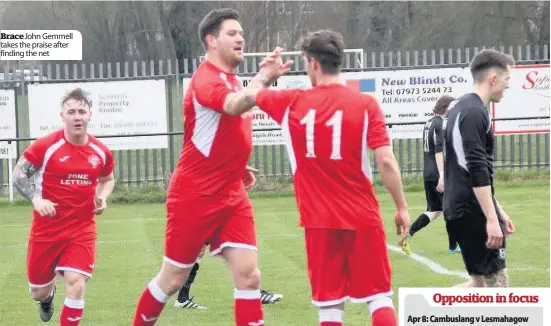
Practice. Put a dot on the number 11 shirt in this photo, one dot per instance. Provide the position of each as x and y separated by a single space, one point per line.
328 130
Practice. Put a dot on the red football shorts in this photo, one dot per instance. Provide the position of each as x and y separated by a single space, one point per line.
45 258
347 265
222 221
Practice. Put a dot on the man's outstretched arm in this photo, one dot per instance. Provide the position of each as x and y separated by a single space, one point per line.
22 174
241 102
271 68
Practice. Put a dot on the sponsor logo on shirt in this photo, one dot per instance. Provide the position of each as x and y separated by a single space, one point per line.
94 160
77 180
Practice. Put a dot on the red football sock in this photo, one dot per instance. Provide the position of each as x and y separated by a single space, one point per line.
248 308
150 306
72 312
382 312
331 317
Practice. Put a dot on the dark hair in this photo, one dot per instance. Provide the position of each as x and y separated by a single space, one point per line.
327 47
210 25
442 104
487 59
77 94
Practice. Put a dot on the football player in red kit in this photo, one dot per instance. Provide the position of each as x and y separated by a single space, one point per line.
207 200
328 130
73 176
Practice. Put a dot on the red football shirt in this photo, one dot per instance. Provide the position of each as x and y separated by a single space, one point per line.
217 146
328 130
68 175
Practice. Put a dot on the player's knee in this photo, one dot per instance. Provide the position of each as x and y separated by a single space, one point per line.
75 285
248 279
40 294
174 284
75 288
172 278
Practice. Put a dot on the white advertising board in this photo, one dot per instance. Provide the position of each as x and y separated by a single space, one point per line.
118 108
7 122
410 95
527 96
262 124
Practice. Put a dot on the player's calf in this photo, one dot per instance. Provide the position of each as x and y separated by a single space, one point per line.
73 307
499 279
153 299
476 281
45 297
422 221
246 277
382 312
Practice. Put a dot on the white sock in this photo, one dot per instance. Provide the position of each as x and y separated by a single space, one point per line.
380 303
157 292
331 315
430 215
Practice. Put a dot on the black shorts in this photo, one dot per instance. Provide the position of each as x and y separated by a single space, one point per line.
433 196
471 235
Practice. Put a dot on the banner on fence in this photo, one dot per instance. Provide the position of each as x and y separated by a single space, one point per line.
527 96
7 123
410 95
118 108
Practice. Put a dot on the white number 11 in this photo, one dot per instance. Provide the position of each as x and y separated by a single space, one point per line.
335 122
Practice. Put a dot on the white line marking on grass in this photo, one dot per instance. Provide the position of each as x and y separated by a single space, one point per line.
429 263
435 267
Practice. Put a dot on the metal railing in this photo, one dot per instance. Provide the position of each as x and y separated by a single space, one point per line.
514 153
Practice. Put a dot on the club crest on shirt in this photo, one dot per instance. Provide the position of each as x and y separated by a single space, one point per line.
94 160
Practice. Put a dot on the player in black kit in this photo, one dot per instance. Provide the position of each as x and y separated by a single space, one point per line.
472 213
433 173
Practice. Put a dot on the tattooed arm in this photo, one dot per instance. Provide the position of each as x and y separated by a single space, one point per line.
22 173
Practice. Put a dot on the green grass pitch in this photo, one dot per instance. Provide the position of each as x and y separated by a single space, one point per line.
131 246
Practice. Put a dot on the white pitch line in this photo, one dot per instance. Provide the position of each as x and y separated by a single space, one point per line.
435 267
429 263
